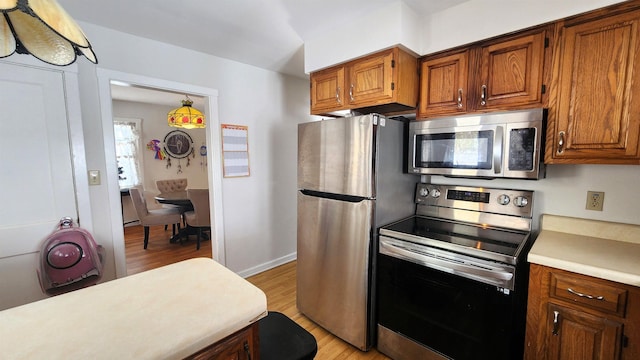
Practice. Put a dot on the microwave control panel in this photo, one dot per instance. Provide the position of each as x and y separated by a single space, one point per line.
522 146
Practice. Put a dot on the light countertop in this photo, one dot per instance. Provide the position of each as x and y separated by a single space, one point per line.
165 313
605 250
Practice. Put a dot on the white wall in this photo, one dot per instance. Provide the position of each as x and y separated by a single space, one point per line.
564 191
468 22
476 20
385 27
259 210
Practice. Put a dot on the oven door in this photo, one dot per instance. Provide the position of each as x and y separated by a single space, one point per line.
447 313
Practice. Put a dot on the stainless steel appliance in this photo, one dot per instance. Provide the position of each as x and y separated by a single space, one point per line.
452 279
350 182
492 145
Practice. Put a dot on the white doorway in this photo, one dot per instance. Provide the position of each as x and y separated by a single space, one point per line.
210 107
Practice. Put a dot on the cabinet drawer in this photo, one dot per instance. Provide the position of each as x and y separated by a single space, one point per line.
587 292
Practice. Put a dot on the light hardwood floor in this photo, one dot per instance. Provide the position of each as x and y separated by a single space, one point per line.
159 251
279 284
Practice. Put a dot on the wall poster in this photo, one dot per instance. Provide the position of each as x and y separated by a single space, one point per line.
235 150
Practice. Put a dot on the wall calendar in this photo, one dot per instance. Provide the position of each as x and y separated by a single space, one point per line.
235 150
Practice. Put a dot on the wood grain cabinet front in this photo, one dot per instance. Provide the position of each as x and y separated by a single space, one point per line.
444 84
501 74
327 90
594 116
386 81
573 316
242 345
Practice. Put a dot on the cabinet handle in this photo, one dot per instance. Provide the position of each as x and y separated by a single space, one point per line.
338 94
591 297
247 350
556 322
560 142
351 92
460 98
483 95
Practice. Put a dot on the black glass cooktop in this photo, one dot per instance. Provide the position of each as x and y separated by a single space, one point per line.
454 235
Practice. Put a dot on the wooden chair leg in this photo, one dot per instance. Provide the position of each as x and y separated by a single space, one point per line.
146 236
199 236
173 228
166 227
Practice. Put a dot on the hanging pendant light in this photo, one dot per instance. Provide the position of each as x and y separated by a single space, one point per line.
43 29
186 116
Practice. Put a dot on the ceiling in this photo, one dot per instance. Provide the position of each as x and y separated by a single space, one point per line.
269 34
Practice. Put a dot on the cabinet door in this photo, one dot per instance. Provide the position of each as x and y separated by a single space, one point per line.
573 334
596 118
443 85
238 346
511 73
371 80
327 90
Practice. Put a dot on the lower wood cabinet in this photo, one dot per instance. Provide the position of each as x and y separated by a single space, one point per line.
573 316
579 335
242 345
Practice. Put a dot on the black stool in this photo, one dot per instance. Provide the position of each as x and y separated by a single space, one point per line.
282 339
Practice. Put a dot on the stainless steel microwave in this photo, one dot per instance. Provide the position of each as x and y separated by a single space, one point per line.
491 145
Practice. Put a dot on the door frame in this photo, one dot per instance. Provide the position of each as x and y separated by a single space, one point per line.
105 77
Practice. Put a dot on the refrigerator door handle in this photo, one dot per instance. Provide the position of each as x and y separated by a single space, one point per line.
339 197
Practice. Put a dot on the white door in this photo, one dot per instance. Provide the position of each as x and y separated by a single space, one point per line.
36 180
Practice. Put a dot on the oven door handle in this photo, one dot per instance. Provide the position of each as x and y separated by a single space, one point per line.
438 260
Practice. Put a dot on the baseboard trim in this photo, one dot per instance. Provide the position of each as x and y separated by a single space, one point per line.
268 265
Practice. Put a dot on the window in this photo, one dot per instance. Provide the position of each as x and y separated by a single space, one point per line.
128 155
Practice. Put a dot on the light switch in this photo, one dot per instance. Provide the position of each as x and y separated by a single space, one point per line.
94 177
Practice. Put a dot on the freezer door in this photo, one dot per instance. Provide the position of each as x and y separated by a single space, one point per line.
333 266
337 156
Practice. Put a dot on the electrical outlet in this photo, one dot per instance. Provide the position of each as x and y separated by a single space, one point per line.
595 200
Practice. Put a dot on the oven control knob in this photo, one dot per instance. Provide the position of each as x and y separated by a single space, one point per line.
520 201
504 199
435 193
424 192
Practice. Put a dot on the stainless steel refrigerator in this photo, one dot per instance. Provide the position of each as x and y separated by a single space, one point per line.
350 182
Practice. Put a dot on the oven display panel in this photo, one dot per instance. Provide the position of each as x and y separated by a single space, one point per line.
471 196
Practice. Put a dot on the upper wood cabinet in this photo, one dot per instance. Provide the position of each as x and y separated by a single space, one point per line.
444 84
501 74
386 81
595 113
327 90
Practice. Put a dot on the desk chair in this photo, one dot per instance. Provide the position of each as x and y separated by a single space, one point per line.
153 217
200 217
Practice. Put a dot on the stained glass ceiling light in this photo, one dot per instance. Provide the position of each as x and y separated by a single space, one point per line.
186 116
43 29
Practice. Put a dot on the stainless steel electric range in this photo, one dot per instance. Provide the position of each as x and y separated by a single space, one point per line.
452 279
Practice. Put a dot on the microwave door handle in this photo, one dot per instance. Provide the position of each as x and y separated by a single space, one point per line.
497 150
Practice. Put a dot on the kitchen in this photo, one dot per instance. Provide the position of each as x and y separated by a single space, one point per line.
273 162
